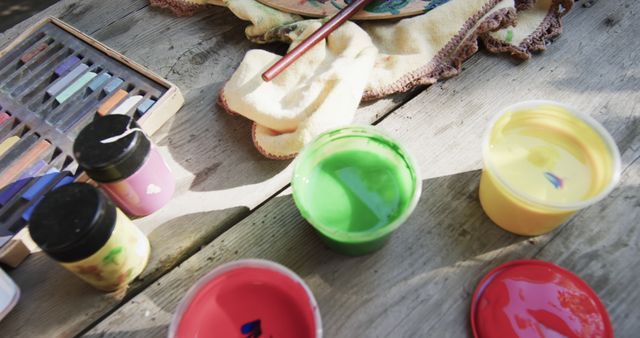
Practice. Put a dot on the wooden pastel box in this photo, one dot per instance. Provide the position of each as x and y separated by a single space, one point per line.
54 80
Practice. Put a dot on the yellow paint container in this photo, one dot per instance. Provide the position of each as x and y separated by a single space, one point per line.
78 226
543 161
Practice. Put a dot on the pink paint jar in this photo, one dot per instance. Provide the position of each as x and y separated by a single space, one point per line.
114 151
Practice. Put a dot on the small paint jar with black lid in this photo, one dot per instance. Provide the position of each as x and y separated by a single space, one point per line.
117 154
78 226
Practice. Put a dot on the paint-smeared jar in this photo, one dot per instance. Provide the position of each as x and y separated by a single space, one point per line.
116 153
78 226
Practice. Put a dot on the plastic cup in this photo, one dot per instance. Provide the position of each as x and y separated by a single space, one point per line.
248 298
355 186
544 161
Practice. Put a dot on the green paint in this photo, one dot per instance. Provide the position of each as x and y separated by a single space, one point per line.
110 258
509 36
353 196
74 87
357 191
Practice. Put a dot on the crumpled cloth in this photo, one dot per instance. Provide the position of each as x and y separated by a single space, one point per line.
322 90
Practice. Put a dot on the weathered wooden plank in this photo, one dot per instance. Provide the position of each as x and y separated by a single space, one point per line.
87 15
422 281
220 175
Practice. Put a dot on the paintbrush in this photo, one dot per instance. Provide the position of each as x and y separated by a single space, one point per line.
322 32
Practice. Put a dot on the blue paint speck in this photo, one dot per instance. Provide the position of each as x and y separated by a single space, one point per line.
252 329
553 179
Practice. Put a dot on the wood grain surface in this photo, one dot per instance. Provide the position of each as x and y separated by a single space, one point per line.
221 177
420 284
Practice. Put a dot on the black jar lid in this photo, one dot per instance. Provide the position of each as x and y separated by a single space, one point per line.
72 222
107 158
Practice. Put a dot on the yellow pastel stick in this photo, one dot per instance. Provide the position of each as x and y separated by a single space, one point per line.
8 143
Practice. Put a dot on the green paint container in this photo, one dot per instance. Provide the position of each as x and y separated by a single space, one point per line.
355 186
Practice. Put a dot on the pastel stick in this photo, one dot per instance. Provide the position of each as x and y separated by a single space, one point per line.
11 153
65 81
4 117
70 109
67 64
98 81
37 190
75 87
145 106
29 55
7 130
64 181
37 76
25 178
33 67
127 105
40 183
8 143
26 215
15 53
20 158
112 101
113 85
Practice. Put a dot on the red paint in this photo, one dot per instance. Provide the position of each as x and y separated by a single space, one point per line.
241 295
531 298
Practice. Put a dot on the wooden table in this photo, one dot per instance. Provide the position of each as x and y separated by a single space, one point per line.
233 203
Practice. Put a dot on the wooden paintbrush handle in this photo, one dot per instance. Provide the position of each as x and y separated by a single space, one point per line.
322 32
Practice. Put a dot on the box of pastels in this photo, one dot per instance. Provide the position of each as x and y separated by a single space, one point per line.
54 80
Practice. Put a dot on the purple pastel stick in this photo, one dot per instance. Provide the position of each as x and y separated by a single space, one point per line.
13 188
66 65
60 84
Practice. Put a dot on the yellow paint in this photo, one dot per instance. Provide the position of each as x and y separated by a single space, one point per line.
8 143
527 149
119 261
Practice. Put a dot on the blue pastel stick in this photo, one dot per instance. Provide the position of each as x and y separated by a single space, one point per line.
36 190
67 64
26 215
40 184
26 177
64 181
65 81
113 85
98 81
145 106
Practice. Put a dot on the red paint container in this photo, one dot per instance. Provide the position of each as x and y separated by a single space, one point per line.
532 298
248 299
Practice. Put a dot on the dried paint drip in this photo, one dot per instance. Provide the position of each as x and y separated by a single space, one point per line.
509 36
557 182
126 133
